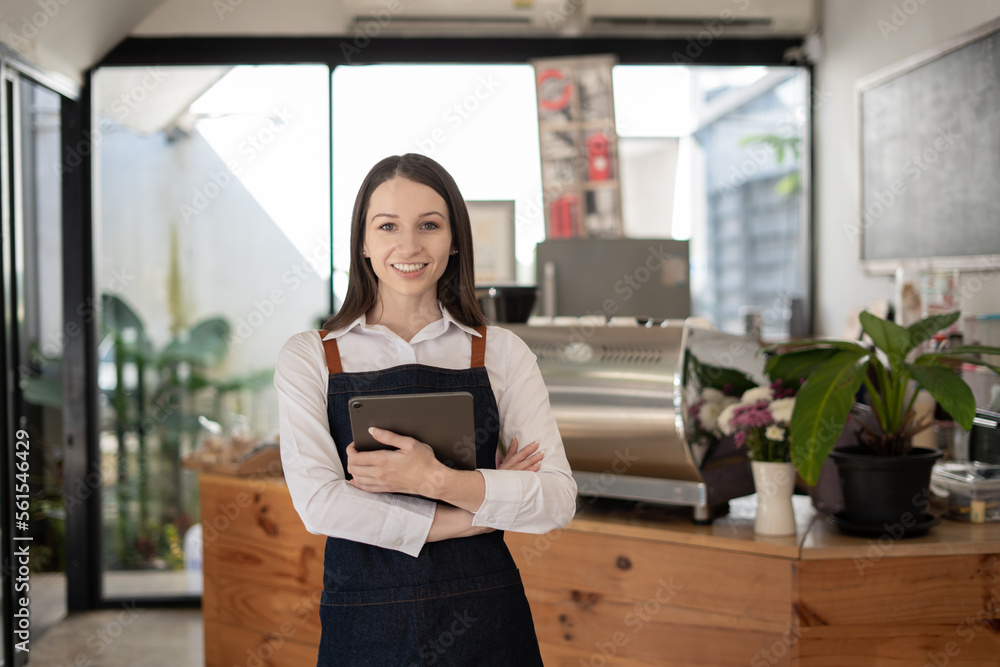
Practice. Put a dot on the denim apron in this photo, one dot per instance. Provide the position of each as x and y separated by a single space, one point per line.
460 601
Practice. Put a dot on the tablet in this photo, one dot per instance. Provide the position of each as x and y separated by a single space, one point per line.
443 420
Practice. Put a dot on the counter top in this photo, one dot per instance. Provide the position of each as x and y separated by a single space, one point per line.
815 538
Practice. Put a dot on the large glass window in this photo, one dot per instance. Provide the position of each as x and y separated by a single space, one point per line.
213 228
213 233
714 155
478 121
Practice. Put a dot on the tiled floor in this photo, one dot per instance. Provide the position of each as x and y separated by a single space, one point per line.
126 637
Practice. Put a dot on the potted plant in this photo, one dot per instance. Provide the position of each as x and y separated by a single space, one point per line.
883 478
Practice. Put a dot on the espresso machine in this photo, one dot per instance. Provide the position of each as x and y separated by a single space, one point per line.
616 348
621 396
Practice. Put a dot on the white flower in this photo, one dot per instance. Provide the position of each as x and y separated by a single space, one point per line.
726 419
774 432
708 415
757 394
713 395
781 410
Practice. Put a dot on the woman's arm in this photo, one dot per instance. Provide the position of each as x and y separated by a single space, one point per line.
529 502
327 504
534 500
457 522
412 468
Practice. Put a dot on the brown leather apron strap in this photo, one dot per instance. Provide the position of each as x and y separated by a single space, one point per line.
332 353
479 349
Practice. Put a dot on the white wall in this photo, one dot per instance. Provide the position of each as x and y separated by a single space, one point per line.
244 17
860 37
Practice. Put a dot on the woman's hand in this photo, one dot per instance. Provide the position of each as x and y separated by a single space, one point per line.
410 468
528 458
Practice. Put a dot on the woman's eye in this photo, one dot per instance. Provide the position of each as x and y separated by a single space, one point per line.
431 225
387 226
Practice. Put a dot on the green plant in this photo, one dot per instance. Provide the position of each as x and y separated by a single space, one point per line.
791 183
836 370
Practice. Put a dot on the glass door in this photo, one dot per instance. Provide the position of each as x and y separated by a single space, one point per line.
33 336
212 247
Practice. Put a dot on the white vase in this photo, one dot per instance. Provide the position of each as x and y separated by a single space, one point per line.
775 483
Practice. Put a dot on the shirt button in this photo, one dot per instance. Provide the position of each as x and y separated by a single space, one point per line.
399 542
492 519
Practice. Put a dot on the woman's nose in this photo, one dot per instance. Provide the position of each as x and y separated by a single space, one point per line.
409 242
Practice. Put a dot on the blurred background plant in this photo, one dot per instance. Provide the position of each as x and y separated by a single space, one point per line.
152 403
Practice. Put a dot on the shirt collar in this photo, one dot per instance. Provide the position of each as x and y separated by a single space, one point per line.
445 321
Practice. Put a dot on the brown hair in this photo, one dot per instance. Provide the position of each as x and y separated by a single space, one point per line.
456 287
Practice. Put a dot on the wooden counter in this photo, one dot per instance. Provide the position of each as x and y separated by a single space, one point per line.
650 588
642 588
263 574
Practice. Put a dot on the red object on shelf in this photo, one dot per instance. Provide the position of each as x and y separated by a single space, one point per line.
598 157
563 212
556 75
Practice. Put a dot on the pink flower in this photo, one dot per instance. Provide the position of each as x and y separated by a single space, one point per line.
740 437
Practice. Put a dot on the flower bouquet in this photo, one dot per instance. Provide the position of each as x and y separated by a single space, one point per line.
759 421
704 415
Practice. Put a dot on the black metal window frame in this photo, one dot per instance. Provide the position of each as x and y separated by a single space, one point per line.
14 68
83 528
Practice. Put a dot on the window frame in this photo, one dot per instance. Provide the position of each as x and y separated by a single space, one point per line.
333 51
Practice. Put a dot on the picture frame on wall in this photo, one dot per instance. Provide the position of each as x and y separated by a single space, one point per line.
493 240
928 136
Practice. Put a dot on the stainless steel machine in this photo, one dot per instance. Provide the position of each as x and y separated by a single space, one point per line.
621 397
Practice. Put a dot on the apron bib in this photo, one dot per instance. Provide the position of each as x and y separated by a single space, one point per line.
460 602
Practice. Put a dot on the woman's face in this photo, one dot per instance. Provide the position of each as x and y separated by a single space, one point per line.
407 238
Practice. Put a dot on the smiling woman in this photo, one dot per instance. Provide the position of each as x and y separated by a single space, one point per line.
413 544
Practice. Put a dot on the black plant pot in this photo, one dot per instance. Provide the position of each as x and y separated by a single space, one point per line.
888 493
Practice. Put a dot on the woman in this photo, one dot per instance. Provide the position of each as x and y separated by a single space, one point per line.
418 580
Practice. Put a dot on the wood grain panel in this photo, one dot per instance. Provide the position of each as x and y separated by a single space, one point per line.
596 627
294 564
703 579
937 590
975 645
228 645
257 507
263 607
554 655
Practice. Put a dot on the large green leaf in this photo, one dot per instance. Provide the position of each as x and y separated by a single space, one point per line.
969 349
787 348
978 362
821 409
791 366
949 390
960 354
889 337
923 330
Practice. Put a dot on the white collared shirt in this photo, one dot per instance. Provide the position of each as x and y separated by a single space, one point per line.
529 502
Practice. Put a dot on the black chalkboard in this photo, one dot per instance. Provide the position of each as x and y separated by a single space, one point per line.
930 155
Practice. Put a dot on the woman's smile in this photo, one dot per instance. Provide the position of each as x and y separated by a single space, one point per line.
410 269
